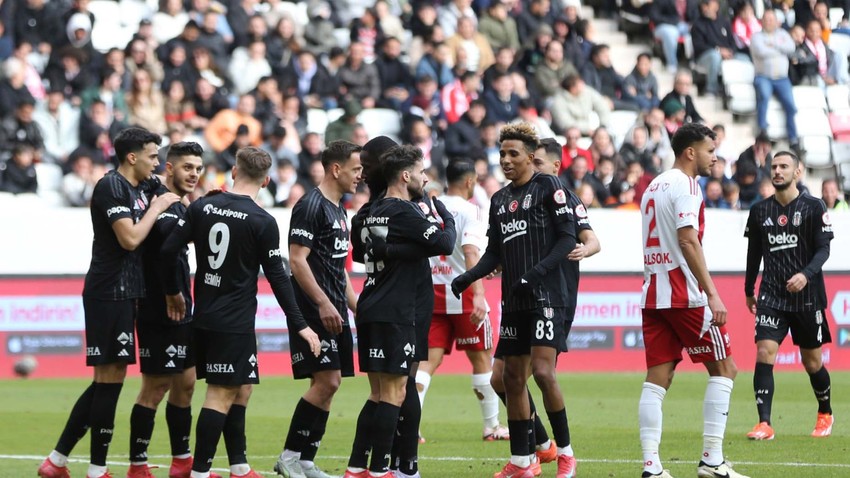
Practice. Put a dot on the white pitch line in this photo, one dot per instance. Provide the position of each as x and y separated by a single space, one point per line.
457 458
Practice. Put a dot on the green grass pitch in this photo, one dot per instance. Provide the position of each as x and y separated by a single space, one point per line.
602 410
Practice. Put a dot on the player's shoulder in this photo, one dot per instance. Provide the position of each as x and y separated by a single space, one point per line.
813 201
111 183
547 181
311 203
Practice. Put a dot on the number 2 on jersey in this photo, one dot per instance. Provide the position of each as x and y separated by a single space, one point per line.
219 240
652 235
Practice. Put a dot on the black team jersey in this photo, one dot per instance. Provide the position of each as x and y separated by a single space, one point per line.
153 307
391 290
525 224
791 239
114 273
233 237
579 212
322 226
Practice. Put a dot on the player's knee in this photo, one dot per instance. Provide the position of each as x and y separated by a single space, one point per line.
765 355
812 364
727 368
513 377
328 386
544 374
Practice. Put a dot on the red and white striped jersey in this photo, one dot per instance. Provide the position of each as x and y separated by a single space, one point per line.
470 230
672 201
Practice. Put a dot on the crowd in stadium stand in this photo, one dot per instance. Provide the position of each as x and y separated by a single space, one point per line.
252 73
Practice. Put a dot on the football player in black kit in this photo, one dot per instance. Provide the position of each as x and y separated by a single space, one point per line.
791 231
530 236
112 287
233 237
318 250
166 357
387 310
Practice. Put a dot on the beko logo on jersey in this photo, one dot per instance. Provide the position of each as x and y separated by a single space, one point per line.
431 230
219 368
210 209
275 253
782 241
117 210
340 244
513 229
302 233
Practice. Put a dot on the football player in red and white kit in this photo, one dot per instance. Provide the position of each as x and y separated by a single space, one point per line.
463 321
681 307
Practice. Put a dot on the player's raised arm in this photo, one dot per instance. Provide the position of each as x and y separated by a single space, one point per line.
131 235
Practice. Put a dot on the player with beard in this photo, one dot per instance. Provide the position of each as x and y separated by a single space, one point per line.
318 250
531 233
791 231
388 308
113 285
167 360
233 237
681 307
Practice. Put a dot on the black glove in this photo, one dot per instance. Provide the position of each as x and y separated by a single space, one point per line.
441 209
377 248
526 284
461 283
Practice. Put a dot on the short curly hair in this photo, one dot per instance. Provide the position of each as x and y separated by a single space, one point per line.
522 132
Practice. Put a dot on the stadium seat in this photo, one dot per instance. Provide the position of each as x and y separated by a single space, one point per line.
334 114
835 16
133 11
619 124
737 71
838 97
815 137
49 177
840 44
839 123
740 98
380 121
343 37
809 97
776 129
317 121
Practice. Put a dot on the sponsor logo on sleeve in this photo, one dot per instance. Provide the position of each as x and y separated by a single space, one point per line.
302 233
117 210
560 196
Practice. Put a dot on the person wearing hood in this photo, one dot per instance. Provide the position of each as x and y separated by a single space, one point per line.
344 126
319 33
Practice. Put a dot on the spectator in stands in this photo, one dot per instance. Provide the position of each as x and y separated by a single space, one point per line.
571 150
319 36
771 49
285 178
639 178
821 14
247 66
575 104
34 22
226 159
391 23
188 38
359 80
343 127
470 49
537 13
722 148
765 190
672 20
425 104
139 57
601 146
829 68
367 32
13 89
169 21
59 124
32 77
458 95
78 36
208 102
7 44
748 179
436 63
21 129
501 102
239 15
433 149
179 109
586 36
504 64
395 77
449 14
622 196
578 174
221 130
277 148
832 196
110 93
641 84
67 75
116 59
587 196
682 85
717 172
600 75
177 68
146 104
674 116
528 114
759 154
78 185
310 81
463 136
551 71
711 34
498 27
745 25
605 172
17 176
635 148
714 195
732 195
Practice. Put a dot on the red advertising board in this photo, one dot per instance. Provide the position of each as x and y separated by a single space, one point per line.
43 317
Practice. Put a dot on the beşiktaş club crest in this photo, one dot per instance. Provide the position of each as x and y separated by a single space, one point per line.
526 202
797 219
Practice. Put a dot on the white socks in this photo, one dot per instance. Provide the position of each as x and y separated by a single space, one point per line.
58 459
487 398
715 411
423 379
650 418
95 471
521 461
566 450
241 469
